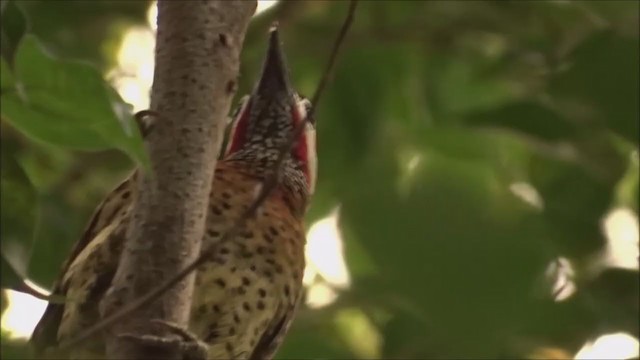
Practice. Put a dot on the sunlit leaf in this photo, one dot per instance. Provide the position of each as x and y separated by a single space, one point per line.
67 104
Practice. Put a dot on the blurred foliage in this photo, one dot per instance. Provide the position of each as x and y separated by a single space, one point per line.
436 110
32 102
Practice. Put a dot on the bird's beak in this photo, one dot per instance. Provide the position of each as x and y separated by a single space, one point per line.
274 80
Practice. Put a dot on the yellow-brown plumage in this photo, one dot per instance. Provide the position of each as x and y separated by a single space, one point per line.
247 293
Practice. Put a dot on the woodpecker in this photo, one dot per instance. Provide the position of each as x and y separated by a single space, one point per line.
246 295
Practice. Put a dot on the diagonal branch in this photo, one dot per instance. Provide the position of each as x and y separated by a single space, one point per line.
328 72
269 183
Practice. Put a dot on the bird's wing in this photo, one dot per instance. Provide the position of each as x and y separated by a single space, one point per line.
273 336
46 332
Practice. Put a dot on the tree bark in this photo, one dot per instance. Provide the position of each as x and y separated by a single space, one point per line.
197 61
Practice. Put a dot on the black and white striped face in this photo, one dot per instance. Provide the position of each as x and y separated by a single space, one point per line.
267 118
261 129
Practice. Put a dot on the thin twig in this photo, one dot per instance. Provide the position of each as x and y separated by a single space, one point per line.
328 72
268 184
24 287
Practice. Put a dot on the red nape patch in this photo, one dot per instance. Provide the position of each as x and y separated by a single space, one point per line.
239 130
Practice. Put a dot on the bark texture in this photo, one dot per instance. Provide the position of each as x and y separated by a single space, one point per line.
197 61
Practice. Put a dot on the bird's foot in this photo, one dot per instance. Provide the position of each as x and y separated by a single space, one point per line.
180 338
193 348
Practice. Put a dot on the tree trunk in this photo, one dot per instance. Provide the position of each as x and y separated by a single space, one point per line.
197 61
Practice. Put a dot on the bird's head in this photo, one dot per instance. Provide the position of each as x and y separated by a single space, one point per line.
267 117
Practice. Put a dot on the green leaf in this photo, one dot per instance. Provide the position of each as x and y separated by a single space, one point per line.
626 190
602 82
447 242
18 203
14 279
348 125
462 86
11 277
68 104
619 15
575 202
6 77
14 348
401 330
528 118
13 26
18 210
314 340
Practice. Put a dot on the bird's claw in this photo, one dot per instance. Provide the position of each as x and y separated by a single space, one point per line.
191 347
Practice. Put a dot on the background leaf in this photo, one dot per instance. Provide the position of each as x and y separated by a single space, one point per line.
482 157
18 206
602 80
11 278
14 25
72 120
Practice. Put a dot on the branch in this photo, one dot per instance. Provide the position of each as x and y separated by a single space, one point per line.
269 183
328 72
197 55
